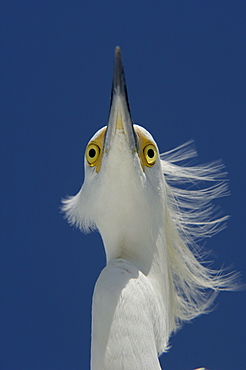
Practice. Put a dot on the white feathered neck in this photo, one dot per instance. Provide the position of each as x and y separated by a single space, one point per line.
172 209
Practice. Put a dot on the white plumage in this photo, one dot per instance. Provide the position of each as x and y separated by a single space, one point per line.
154 278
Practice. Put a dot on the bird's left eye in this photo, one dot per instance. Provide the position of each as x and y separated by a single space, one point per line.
92 154
150 154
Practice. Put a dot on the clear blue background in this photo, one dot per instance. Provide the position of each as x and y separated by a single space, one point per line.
185 64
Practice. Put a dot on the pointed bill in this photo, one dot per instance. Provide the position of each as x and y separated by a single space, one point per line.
119 113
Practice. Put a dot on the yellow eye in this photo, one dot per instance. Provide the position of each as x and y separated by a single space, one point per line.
150 154
92 153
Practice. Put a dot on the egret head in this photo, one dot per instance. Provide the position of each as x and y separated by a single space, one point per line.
123 178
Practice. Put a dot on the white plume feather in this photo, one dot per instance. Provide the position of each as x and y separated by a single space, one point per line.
192 217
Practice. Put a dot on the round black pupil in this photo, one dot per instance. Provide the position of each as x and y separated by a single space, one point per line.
151 153
92 153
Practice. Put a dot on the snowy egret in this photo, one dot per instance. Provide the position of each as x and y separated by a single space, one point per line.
154 277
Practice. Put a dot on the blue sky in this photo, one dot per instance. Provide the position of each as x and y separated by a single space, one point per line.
185 68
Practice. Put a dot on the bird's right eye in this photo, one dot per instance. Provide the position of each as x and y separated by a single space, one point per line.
92 154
